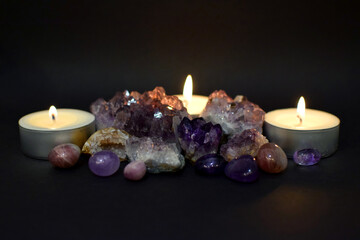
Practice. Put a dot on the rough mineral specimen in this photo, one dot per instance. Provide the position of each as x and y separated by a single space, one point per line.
234 116
198 137
247 142
151 114
242 169
159 156
107 139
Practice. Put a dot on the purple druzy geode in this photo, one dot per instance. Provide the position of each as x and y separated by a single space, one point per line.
151 114
247 142
198 137
234 115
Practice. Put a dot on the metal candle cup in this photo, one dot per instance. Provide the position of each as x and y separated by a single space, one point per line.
319 130
39 134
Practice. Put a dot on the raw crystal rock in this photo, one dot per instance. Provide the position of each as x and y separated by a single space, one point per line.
107 139
210 164
248 142
135 171
104 163
234 116
271 158
197 137
242 169
307 157
64 155
150 114
159 156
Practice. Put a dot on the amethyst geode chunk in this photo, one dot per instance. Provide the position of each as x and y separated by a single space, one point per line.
246 143
151 114
198 137
234 115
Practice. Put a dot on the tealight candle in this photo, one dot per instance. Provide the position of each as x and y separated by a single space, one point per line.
295 129
195 104
41 131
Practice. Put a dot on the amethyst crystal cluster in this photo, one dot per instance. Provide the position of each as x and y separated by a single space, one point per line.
150 119
151 114
198 137
234 115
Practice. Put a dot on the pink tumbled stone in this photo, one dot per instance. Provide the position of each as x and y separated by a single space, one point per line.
64 155
271 158
135 170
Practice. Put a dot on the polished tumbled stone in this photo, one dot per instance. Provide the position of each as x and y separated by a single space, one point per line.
307 157
242 169
64 155
104 163
135 171
210 164
271 158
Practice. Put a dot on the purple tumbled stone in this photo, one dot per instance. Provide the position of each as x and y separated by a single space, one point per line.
151 114
135 170
104 163
198 137
64 155
210 164
307 157
242 169
247 142
234 115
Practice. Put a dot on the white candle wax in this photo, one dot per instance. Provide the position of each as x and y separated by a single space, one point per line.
313 120
66 119
196 105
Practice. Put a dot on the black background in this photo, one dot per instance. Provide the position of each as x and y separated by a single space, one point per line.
68 53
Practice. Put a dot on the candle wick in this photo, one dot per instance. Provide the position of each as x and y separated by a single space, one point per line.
300 119
53 117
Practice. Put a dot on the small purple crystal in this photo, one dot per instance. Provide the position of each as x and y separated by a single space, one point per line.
104 163
247 142
234 116
242 169
151 114
307 157
197 137
210 164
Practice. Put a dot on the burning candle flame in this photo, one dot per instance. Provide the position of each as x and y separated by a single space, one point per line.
301 109
53 113
188 90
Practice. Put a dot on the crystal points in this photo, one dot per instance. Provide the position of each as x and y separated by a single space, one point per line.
247 142
234 115
198 137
